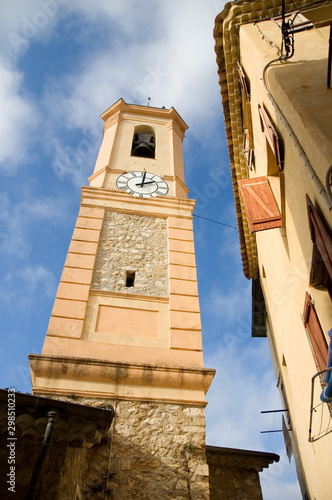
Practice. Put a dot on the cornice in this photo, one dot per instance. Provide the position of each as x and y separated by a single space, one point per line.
132 296
123 202
131 110
92 371
244 459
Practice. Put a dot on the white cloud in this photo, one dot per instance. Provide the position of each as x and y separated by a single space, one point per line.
52 209
244 385
232 305
33 281
279 481
145 52
162 50
75 163
18 119
37 279
27 22
174 65
233 418
12 240
17 219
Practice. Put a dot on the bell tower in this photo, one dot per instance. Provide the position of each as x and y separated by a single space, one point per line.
125 327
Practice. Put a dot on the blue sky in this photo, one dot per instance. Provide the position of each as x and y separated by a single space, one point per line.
62 63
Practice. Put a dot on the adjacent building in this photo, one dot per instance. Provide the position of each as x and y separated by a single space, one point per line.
274 65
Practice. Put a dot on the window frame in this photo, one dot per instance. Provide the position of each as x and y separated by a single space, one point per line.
271 135
319 236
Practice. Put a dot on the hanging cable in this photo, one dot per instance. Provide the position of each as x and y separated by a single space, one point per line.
214 221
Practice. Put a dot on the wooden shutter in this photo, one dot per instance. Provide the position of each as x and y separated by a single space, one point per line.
315 333
320 236
270 133
243 81
260 205
247 150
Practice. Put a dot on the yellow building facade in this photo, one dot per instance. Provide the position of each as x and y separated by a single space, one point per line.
273 61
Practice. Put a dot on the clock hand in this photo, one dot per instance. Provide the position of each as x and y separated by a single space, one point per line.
147 182
143 179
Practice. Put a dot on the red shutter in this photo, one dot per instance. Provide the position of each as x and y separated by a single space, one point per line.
316 335
320 236
270 133
260 205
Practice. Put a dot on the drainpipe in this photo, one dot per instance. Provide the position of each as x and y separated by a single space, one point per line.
47 441
298 146
328 182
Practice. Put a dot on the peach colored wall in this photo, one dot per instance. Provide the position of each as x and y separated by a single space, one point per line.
71 300
127 322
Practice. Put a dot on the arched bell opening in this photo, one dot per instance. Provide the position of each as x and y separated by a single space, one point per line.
144 142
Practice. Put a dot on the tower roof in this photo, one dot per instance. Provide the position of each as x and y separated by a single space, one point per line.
121 106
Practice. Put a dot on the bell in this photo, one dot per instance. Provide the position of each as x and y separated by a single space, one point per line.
143 145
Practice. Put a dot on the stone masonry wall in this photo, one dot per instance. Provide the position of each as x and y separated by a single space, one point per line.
233 477
152 451
132 243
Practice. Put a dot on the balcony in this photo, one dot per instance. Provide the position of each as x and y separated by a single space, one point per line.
320 413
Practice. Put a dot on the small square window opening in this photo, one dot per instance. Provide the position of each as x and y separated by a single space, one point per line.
130 278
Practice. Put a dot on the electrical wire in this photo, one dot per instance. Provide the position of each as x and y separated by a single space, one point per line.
214 221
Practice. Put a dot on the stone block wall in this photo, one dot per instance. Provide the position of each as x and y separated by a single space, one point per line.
131 242
153 450
234 474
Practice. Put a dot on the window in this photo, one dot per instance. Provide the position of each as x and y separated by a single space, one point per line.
144 142
259 203
258 315
130 278
321 264
274 168
273 150
243 82
248 140
315 333
247 151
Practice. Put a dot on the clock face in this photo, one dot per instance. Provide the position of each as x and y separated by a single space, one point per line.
142 184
